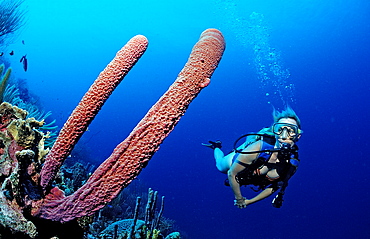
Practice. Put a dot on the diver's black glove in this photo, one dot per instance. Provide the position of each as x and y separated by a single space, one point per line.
213 145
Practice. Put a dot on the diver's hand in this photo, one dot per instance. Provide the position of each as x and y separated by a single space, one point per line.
241 202
213 145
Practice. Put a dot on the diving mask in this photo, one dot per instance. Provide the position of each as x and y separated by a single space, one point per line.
292 129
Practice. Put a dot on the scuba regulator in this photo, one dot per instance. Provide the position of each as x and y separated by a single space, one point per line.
285 152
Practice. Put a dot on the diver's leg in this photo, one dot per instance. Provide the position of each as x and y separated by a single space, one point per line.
223 163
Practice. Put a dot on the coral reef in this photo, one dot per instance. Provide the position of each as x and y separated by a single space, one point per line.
173 235
11 93
153 226
28 197
122 229
128 205
19 165
72 178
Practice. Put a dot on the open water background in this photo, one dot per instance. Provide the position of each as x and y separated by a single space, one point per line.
320 53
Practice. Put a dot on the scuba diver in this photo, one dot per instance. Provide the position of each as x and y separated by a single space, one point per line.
267 159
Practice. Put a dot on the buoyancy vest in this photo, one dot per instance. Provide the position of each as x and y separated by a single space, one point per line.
249 175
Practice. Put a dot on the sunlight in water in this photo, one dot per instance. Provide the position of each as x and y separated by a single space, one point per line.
274 77
253 33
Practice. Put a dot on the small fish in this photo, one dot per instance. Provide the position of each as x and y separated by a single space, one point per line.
2 53
25 62
11 53
23 42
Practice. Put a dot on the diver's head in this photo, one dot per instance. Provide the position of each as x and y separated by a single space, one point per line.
286 131
286 126
288 112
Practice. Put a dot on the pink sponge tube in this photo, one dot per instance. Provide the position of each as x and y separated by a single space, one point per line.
133 154
90 105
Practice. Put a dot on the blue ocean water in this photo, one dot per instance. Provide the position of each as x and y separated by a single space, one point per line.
319 51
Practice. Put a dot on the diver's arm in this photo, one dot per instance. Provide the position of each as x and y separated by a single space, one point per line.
236 168
262 195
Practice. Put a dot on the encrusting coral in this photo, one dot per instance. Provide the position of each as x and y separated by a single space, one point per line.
19 167
12 96
32 193
11 93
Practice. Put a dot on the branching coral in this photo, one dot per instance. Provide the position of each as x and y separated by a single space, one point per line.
11 17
